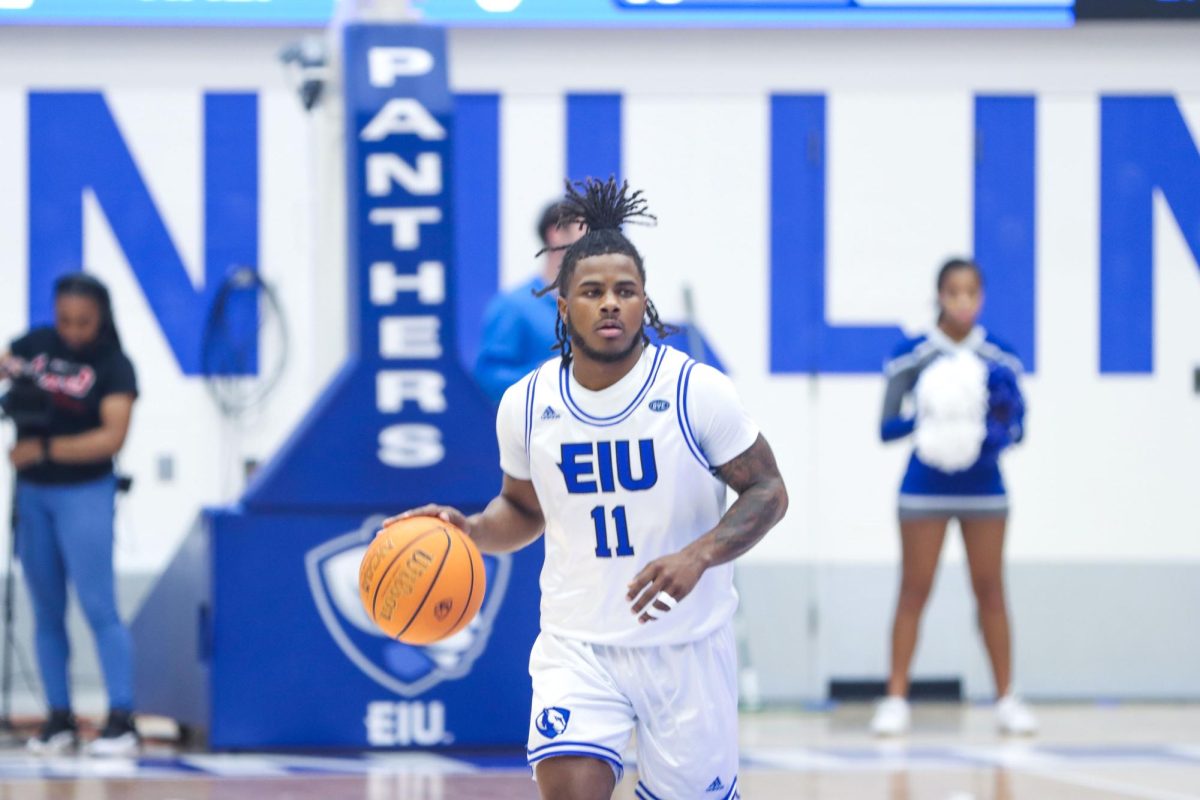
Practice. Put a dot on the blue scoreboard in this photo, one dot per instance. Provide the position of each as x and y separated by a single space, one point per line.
608 13
544 13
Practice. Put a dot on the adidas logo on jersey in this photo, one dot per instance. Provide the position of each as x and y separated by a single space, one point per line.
716 785
550 413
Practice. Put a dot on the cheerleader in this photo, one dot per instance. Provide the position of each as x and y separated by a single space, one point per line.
955 389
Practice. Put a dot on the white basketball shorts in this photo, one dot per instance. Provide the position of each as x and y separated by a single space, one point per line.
681 699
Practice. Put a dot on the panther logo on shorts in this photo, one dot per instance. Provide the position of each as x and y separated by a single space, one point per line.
406 669
553 721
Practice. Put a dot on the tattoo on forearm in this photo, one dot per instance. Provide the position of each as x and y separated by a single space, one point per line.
762 499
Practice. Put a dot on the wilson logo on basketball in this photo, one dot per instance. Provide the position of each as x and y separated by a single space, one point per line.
404 582
414 568
442 609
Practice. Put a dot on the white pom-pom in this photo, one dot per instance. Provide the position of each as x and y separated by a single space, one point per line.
951 397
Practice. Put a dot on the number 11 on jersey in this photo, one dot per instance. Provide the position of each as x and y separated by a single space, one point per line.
623 546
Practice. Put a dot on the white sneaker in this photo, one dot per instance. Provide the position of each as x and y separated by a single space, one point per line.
55 745
892 717
124 746
118 739
1015 718
57 736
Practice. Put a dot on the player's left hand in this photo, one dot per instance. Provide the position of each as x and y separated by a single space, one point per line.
663 583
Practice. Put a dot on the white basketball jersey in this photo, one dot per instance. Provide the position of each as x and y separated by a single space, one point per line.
624 476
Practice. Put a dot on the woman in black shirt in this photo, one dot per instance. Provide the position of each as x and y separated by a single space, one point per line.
77 390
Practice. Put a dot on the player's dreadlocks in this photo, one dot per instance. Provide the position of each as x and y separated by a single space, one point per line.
601 207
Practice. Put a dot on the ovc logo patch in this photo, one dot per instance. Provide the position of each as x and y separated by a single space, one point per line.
406 669
659 405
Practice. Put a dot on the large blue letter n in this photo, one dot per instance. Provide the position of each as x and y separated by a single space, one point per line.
1145 148
75 148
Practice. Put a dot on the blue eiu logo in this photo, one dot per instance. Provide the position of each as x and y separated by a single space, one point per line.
659 405
591 467
553 721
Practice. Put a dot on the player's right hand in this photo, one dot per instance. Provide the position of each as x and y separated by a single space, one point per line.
445 513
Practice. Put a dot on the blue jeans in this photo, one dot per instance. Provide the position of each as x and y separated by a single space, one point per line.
67 531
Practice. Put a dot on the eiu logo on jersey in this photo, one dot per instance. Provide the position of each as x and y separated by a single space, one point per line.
590 467
405 669
716 785
658 405
553 721
550 413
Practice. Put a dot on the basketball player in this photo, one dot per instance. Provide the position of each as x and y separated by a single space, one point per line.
621 451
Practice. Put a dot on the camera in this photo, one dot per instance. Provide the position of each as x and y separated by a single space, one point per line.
26 404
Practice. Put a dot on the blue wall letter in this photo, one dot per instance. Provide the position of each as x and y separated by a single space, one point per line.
801 339
1005 191
76 147
593 136
1005 182
1144 146
476 186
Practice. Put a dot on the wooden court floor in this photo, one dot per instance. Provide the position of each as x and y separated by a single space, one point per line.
1084 751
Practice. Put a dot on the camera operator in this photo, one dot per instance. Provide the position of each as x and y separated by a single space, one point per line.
72 396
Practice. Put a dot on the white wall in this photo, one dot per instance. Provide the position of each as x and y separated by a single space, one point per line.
1109 470
1102 477
153 82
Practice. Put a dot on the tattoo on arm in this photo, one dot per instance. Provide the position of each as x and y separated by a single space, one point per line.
762 501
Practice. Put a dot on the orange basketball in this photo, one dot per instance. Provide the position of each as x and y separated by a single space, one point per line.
422 580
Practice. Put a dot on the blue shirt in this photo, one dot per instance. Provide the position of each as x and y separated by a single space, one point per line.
518 335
